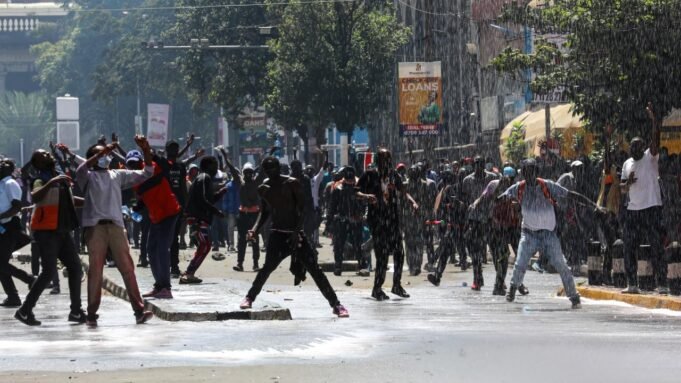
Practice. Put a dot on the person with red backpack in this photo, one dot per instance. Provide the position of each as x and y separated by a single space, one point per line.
537 198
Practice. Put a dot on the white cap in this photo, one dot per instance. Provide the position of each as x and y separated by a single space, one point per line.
248 166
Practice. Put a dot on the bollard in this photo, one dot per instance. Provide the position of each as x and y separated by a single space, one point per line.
619 275
646 278
595 264
673 256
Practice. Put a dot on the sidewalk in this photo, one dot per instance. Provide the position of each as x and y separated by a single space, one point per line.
650 300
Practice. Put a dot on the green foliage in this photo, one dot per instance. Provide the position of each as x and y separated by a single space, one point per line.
622 54
515 147
332 62
24 116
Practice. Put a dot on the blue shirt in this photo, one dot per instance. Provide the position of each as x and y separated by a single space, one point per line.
537 210
231 202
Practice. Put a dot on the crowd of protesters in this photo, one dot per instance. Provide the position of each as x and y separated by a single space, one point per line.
460 212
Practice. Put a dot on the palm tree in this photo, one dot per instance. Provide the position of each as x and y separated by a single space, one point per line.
24 116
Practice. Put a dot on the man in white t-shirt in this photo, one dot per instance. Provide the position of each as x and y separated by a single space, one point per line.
640 175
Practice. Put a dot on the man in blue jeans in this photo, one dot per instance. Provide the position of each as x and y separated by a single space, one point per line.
537 199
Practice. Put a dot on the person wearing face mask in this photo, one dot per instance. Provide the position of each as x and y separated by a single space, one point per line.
640 174
382 187
53 220
10 208
247 184
103 223
200 211
283 200
347 212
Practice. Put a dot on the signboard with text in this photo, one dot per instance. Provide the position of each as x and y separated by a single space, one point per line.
420 99
157 124
253 136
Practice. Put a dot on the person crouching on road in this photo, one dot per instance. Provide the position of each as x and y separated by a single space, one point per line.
200 211
53 220
103 223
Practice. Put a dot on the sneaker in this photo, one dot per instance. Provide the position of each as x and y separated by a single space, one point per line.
163 294
379 295
631 290
663 290
429 268
110 264
150 293
216 248
11 303
91 320
432 278
399 291
183 246
246 304
78 316
175 273
218 256
510 296
256 267
26 318
475 287
499 290
319 246
238 268
55 291
337 272
523 290
576 303
142 317
189 279
143 263
364 273
341 311
231 249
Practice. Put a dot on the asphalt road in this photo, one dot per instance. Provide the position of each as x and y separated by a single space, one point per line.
448 334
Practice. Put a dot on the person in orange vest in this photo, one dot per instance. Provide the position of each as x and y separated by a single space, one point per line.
53 220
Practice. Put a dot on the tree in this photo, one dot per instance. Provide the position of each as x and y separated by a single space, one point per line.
620 55
24 116
515 147
331 61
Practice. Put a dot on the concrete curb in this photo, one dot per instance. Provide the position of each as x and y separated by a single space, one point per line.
173 316
641 300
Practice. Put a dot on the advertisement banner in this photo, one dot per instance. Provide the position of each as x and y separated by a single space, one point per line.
420 99
253 136
157 124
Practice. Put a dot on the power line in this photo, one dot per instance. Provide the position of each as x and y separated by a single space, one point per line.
214 6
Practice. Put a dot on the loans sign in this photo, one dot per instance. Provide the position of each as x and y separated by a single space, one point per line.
420 98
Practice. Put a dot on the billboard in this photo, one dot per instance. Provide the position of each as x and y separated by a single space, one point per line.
420 98
253 136
157 124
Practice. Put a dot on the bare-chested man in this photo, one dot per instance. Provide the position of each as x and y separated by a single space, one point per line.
282 199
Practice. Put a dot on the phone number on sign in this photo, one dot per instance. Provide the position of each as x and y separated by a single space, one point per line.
419 130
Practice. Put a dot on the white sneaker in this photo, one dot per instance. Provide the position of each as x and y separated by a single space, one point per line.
631 290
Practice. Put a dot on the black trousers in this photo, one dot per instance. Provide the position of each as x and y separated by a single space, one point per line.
175 244
387 240
8 241
244 223
35 262
642 227
444 251
343 231
476 237
53 246
277 250
499 240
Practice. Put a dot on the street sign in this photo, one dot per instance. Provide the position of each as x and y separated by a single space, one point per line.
68 133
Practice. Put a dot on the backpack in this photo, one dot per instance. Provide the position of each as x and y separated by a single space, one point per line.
544 189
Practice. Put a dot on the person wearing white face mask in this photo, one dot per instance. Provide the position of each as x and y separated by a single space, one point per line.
103 223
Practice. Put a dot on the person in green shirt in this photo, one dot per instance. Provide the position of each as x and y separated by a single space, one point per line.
430 114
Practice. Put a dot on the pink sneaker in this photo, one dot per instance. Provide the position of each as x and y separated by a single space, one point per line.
247 303
341 311
150 294
163 294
